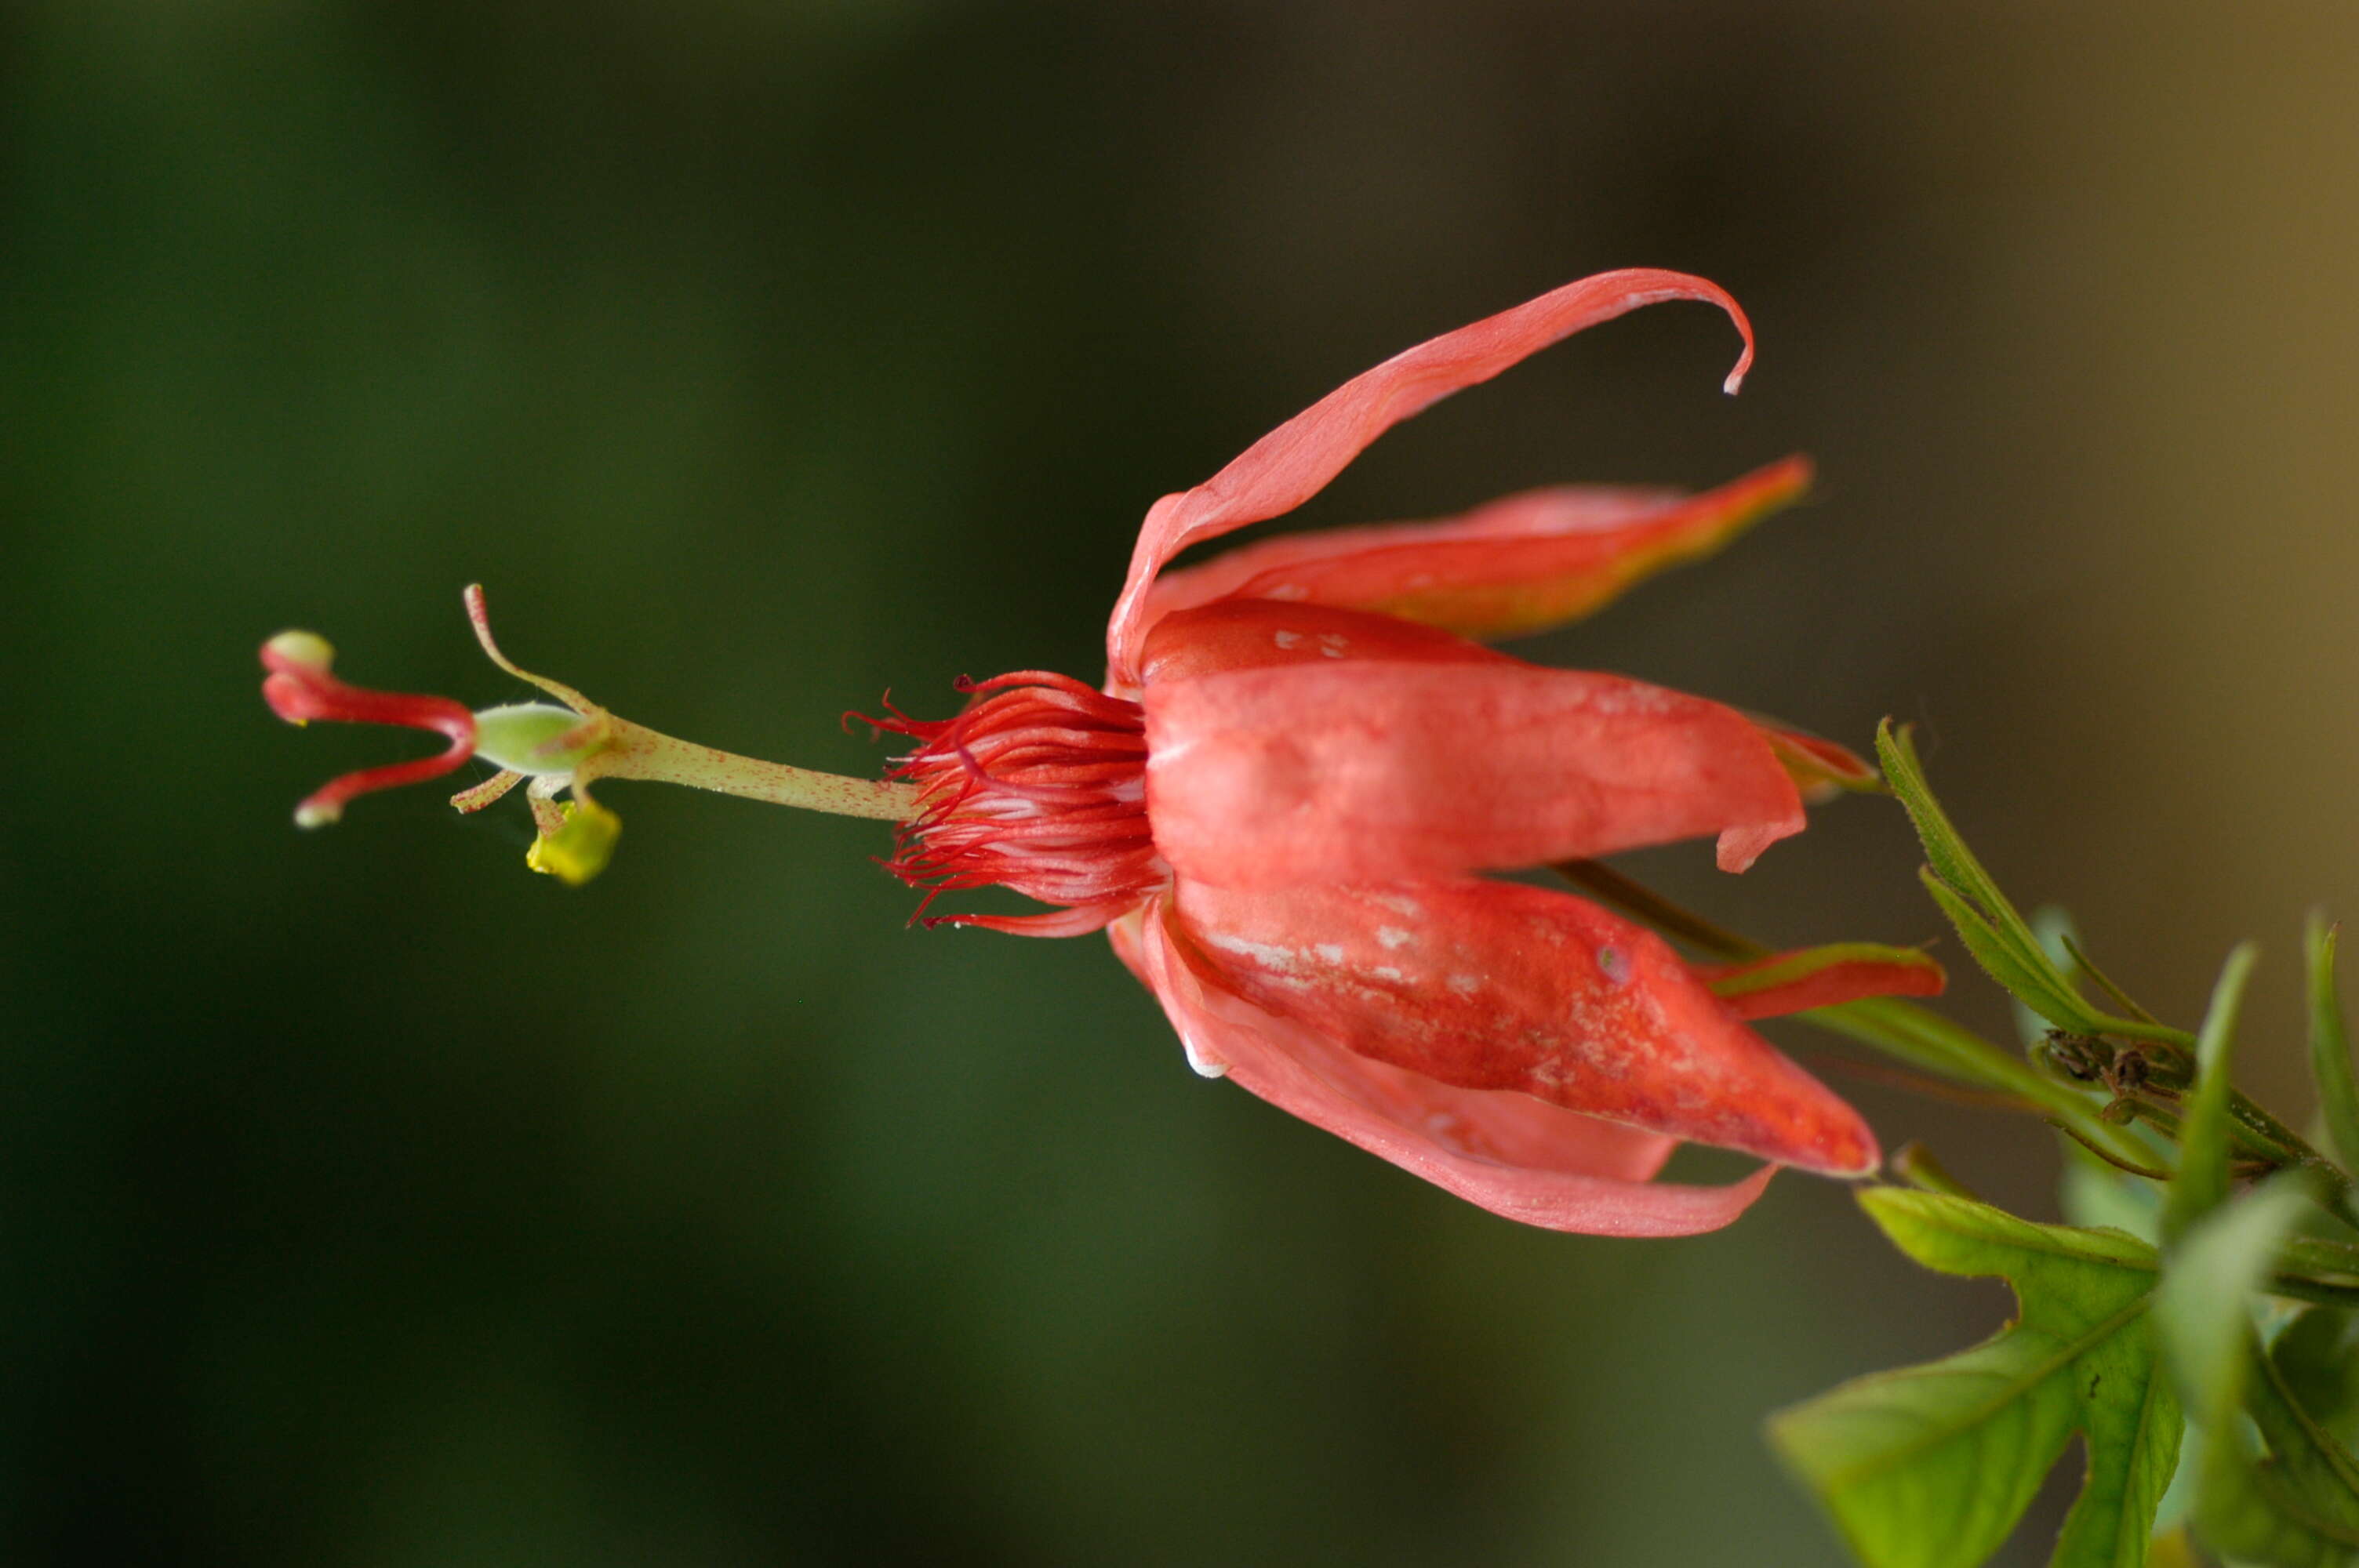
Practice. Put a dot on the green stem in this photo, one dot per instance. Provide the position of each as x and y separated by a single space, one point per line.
2316 1255
1915 1164
2151 1173
636 752
2325 1292
1644 903
1917 1034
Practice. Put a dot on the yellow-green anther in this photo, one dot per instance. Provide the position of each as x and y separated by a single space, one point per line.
581 847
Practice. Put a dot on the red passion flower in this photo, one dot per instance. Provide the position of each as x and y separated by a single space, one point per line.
1281 802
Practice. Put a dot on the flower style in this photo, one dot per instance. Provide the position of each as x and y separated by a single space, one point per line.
1279 804
559 747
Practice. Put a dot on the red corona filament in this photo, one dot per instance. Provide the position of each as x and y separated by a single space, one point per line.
1040 785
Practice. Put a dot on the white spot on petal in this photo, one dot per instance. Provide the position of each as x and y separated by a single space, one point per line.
1270 957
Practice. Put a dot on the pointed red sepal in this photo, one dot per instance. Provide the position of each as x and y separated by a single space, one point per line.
1500 988
1515 565
299 688
1822 769
1822 977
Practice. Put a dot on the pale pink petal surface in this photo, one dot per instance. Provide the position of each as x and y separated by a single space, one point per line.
1517 565
1498 985
1295 461
1339 769
1505 1151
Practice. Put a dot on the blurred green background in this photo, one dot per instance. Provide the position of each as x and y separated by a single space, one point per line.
366 1200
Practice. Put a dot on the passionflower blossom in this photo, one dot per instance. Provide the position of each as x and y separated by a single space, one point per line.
1280 804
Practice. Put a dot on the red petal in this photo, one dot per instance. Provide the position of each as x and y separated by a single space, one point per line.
1507 1152
1344 769
1254 634
1497 986
1517 566
1294 462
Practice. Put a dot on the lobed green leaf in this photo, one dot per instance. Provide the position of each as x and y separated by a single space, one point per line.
2296 1504
2317 1362
1932 1466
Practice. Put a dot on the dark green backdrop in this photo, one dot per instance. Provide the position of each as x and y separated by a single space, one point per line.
365 1200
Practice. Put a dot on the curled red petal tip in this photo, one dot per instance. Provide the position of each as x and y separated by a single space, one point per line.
299 688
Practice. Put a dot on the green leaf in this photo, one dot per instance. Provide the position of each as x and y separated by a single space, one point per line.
1989 924
1955 864
2330 1046
2206 1298
1931 1466
2319 1470
2291 1501
2203 1180
1915 1164
2032 983
2077 958
2052 927
2317 1360
2093 1191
